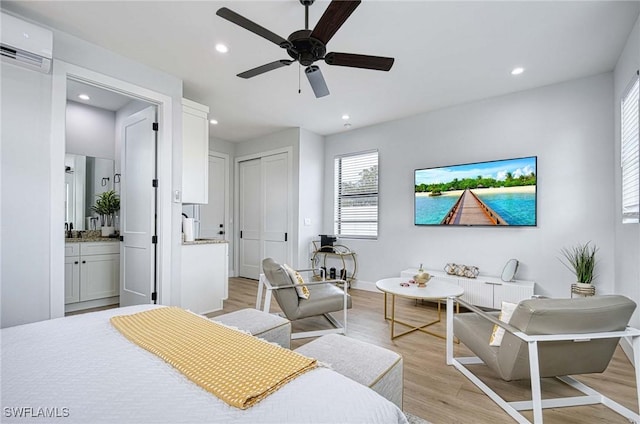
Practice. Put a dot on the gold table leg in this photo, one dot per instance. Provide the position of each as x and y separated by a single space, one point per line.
412 327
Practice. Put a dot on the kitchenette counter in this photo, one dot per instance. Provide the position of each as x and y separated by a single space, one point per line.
203 241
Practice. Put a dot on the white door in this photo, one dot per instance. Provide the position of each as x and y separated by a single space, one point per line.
264 204
138 207
275 212
249 213
213 214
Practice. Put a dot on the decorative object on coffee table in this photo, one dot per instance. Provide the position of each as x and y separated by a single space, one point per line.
422 278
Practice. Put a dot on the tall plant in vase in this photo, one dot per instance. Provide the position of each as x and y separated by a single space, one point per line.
581 261
107 204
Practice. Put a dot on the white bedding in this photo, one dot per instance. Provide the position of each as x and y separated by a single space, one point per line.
83 368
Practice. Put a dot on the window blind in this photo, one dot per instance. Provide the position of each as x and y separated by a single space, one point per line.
630 121
356 195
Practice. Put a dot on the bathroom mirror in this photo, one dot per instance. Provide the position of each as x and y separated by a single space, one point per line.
510 269
85 177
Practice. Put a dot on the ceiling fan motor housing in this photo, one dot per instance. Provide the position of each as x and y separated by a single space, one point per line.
305 49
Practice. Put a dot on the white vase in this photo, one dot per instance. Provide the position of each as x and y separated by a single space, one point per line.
107 231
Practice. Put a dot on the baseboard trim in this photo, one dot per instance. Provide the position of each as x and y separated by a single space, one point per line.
364 285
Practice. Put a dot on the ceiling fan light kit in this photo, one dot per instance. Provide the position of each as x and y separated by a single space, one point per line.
307 46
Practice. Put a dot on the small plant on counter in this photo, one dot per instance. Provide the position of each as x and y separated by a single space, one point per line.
107 203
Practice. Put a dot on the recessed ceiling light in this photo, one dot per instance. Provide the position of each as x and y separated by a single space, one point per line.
222 48
345 116
213 122
517 71
84 97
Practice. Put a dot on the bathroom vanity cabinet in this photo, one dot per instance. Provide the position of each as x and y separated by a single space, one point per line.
91 274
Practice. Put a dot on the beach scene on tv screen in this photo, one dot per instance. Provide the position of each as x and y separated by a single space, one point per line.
501 192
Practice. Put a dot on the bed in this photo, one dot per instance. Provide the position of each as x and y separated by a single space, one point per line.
80 369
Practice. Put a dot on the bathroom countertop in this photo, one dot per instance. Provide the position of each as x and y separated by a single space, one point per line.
91 239
203 241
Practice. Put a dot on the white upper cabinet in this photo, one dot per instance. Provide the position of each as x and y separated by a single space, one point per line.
195 152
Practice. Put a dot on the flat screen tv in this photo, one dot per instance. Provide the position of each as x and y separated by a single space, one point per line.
499 192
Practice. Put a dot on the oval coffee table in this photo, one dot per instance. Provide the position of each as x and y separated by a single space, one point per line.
435 290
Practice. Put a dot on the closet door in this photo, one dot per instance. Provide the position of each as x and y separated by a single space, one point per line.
250 212
264 212
276 206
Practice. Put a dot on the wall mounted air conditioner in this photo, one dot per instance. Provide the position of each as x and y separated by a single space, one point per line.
25 44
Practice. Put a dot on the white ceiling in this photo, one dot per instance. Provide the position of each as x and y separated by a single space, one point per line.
446 53
98 97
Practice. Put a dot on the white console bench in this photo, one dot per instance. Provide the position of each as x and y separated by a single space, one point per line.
484 291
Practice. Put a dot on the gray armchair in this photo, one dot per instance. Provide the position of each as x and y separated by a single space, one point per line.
325 297
547 338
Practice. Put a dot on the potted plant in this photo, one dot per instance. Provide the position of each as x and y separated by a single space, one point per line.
107 204
581 260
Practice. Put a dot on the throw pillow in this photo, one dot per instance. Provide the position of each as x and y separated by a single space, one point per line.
505 316
303 291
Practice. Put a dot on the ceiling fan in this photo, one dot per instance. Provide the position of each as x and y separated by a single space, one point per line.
308 46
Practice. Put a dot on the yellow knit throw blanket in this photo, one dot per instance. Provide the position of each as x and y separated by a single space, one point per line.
238 368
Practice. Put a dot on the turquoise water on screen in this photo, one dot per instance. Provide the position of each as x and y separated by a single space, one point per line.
432 210
514 208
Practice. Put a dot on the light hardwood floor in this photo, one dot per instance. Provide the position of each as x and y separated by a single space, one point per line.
437 392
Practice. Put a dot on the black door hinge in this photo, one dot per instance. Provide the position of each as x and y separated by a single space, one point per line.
240 233
154 296
285 236
154 239
121 238
155 126
154 182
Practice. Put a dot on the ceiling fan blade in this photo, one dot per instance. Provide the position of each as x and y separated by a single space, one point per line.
377 63
319 86
332 19
265 68
245 23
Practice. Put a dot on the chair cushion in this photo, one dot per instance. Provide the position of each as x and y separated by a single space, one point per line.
324 298
474 332
278 276
296 278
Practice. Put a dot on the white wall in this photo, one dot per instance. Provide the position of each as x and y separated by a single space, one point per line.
310 194
26 175
90 131
627 248
25 196
568 126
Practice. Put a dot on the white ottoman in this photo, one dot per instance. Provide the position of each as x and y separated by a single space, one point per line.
368 364
271 328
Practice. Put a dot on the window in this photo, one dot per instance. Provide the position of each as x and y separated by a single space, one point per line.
630 120
356 191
